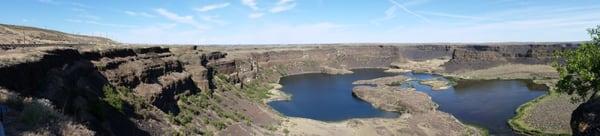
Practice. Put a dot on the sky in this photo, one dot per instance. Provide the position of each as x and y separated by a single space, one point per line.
311 21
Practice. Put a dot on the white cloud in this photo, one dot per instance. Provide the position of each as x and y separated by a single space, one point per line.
213 19
390 13
98 23
251 4
449 15
409 11
256 15
189 20
283 5
143 14
212 7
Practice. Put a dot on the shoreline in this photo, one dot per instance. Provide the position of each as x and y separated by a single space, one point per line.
518 113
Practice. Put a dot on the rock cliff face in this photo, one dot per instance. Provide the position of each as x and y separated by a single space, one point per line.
461 57
481 56
207 90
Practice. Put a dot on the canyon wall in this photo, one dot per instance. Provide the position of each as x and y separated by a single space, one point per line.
157 82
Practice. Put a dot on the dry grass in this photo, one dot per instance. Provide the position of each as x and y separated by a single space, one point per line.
37 117
23 55
510 71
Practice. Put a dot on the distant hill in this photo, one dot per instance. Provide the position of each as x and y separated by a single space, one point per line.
13 34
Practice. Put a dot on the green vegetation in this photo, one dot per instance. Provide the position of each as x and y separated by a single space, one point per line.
36 113
396 83
580 69
518 124
112 96
197 106
452 81
257 91
270 128
482 131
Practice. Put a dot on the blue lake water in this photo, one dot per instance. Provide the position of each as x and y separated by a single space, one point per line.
328 97
488 103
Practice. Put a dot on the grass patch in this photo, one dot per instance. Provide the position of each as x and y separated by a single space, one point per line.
395 83
286 131
517 123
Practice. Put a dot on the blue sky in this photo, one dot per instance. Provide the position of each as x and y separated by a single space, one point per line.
311 21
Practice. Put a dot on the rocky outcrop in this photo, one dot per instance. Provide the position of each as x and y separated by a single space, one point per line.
404 100
585 120
436 83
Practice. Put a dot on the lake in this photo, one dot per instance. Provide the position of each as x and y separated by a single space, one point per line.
487 103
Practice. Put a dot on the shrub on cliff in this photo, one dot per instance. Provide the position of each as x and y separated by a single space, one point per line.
112 96
36 112
580 69
580 76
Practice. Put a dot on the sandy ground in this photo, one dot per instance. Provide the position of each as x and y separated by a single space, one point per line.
427 124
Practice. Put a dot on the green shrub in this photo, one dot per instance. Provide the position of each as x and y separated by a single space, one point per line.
35 113
219 124
113 97
184 117
396 83
286 131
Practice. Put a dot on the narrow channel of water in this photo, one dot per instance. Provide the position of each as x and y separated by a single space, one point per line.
488 103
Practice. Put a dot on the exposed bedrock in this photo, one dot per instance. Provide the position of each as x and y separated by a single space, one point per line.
404 100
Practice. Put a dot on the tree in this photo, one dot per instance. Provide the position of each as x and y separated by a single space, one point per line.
579 69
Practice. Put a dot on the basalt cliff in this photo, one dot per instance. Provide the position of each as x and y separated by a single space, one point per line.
220 90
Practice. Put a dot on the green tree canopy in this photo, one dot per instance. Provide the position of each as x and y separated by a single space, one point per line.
580 69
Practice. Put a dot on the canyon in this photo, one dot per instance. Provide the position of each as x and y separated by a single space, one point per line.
222 90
